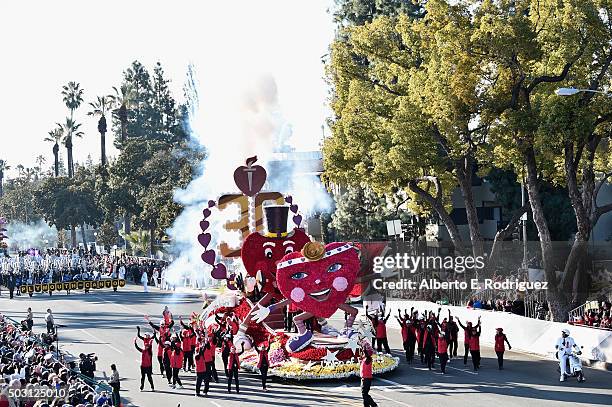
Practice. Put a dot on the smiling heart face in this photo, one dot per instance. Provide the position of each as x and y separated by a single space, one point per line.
319 286
261 254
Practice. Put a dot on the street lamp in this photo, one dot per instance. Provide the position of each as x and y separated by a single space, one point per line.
574 91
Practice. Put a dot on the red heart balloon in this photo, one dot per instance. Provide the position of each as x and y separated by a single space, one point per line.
319 286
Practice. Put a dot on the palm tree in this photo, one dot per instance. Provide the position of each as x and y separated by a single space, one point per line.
72 95
70 129
124 100
139 240
3 167
55 136
99 108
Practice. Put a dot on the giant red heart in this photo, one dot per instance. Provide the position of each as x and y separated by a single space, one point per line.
260 254
319 286
250 178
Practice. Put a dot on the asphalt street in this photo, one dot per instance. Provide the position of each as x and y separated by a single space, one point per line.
105 322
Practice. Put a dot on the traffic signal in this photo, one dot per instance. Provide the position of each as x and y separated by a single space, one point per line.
3 235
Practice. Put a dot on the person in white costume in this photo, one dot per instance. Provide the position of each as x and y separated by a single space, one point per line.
564 348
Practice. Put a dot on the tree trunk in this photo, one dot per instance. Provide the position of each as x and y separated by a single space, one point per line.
73 236
1 185
56 159
464 175
152 241
83 235
127 228
438 206
70 164
557 299
103 148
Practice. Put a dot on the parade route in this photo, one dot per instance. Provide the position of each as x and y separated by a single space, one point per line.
105 322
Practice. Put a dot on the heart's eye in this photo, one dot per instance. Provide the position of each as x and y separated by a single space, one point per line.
268 253
299 276
289 249
334 267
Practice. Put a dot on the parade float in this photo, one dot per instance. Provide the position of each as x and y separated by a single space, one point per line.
276 270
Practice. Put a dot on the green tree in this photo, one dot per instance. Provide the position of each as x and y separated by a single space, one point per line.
405 118
100 108
16 203
530 48
123 100
55 136
360 12
360 214
140 241
68 202
70 129
3 167
72 95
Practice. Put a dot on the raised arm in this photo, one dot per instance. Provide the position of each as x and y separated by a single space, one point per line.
138 348
138 333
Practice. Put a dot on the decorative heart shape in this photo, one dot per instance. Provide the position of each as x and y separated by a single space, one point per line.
250 178
289 199
319 286
204 239
293 208
219 272
211 203
297 219
204 225
206 213
209 257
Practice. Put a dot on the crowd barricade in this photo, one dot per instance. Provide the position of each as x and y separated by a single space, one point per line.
527 334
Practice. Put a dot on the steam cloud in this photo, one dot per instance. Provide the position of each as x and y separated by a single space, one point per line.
257 128
23 236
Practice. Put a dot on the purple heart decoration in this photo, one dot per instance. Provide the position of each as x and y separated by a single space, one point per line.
297 219
219 272
289 199
204 225
294 208
206 213
231 282
209 257
211 203
204 239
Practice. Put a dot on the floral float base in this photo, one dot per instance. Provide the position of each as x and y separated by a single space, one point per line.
301 370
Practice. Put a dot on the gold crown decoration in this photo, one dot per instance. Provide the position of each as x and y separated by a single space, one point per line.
313 251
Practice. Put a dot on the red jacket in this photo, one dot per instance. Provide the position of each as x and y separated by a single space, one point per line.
366 369
200 362
474 342
381 329
176 361
500 346
442 345
263 356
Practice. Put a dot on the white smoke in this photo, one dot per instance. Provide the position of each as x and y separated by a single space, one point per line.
23 236
257 127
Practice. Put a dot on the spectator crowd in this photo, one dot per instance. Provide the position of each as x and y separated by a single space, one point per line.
33 376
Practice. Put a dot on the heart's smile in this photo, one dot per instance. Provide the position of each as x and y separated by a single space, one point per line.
321 295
